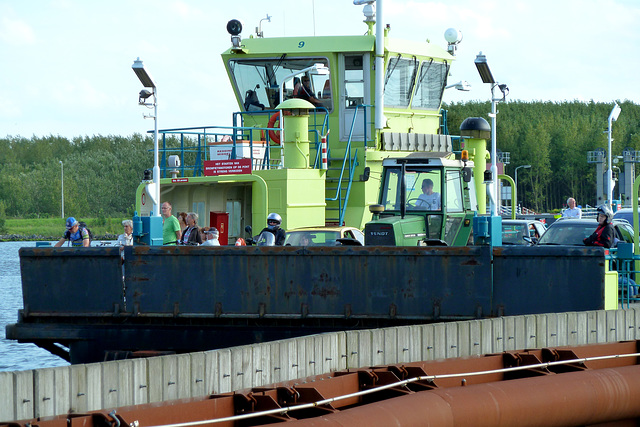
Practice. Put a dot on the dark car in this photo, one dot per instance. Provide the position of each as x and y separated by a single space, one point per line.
624 214
573 231
521 231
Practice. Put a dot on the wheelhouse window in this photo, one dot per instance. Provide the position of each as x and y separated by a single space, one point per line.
353 81
399 80
258 81
431 83
423 189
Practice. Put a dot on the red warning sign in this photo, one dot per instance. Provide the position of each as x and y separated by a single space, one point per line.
227 167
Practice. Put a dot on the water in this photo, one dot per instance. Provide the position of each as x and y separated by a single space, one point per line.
15 356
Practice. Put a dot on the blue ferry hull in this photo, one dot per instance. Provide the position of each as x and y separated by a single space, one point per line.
111 302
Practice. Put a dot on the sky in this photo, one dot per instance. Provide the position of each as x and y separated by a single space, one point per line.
66 64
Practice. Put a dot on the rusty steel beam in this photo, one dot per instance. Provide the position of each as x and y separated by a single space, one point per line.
572 399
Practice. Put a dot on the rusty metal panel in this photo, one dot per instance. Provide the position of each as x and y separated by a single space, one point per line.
529 280
71 280
340 282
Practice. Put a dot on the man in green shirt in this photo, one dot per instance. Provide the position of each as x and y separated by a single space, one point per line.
170 226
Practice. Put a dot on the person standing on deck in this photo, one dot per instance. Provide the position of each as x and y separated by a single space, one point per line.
126 238
212 235
170 226
572 211
77 236
191 234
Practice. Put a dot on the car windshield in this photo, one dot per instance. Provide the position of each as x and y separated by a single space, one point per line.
312 238
567 233
513 234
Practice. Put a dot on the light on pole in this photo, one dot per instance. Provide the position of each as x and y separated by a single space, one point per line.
153 190
516 180
487 77
62 187
613 116
462 85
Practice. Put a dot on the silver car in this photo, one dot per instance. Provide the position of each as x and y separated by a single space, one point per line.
521 231
573 231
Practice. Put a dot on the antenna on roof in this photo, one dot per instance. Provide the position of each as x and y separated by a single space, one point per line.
259 32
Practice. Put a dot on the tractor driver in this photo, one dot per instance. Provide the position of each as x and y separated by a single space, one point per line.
429 199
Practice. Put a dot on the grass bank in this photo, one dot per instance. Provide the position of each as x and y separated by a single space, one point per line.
53 228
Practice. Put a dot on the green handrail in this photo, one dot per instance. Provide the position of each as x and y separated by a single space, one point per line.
514 195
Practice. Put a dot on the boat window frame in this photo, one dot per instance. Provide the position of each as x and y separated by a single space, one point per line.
400 80
435 91
269 78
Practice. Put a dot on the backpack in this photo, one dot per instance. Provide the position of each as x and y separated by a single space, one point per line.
81 225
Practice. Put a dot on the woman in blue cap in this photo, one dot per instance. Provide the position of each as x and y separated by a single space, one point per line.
76 235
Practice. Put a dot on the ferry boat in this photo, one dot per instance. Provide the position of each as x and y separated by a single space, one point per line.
367 97
376 101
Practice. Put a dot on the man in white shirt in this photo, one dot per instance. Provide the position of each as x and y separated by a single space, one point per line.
212 235
429 199
572 211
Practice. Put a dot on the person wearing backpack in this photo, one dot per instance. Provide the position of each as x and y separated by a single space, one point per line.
77 236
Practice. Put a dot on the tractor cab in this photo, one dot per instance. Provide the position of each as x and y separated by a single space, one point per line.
426 199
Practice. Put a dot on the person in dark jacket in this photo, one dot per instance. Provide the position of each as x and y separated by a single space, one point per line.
273 225
604 234
191 234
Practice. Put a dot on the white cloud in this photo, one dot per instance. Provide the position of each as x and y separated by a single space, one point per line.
8 109
16 32
183 10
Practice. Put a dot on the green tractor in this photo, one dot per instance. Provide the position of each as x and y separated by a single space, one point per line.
426 199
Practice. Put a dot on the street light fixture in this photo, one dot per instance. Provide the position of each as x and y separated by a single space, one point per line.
461 85
487 77
483 69
62 187
153 190
613 116
516 180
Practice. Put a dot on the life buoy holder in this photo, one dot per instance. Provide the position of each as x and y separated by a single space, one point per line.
274 131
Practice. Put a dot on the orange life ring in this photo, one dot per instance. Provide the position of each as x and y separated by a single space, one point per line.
274 134
274 131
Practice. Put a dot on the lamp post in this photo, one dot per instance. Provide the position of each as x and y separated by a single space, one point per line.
62 187
613 116
516 180
487 77
153 190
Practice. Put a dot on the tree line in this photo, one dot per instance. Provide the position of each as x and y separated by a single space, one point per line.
554 138
101 173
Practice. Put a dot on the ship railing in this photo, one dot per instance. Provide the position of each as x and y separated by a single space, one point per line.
318 126
623 260
194 145
505 210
